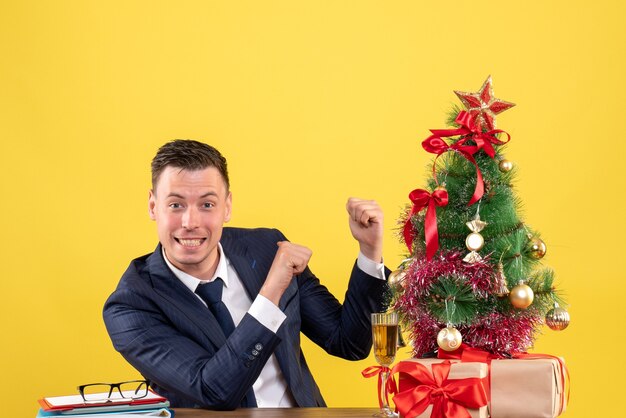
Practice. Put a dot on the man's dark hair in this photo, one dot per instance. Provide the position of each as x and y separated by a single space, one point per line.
188 154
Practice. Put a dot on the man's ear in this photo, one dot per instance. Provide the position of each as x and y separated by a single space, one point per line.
151 205
229 206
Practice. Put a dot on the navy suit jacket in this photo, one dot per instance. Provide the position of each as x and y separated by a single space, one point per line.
171 338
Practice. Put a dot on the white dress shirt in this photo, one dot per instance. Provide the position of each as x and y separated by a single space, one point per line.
270 388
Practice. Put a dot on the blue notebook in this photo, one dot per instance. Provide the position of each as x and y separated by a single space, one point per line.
115 411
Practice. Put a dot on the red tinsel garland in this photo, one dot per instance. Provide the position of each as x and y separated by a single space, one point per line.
497 332
423 273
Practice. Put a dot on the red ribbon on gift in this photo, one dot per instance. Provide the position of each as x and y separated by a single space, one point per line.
469 131
390 386
467 353
423 199
450 397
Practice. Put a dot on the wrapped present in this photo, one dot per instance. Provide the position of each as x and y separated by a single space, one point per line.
532 386
527 386
441 388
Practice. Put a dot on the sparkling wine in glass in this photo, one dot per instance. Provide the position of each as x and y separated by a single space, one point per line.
385 338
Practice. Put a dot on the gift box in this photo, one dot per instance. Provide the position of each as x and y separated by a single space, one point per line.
436 388
531 387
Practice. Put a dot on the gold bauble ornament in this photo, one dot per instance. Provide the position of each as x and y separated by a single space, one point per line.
537 248
449 338
521 296
505 166
557 318
395 280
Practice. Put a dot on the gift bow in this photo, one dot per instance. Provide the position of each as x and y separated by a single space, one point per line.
390 387
466 353
450 397
483 140
423 199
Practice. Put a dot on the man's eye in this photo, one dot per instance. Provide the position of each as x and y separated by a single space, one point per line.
208 205
175 205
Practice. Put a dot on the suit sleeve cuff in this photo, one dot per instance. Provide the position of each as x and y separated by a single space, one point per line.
371 267
268 314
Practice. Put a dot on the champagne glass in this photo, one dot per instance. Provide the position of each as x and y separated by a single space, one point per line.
385 337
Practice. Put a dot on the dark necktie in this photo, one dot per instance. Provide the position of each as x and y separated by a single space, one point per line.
211 293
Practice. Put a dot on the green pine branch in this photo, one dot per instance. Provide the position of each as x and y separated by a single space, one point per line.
452 300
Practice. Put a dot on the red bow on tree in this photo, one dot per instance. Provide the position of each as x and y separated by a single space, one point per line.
469 131
423 199
483 140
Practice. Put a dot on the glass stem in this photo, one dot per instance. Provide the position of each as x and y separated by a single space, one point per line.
383 391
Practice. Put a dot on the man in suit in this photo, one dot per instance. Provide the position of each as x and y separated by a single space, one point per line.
213 316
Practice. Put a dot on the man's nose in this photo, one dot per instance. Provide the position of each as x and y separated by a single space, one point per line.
191 218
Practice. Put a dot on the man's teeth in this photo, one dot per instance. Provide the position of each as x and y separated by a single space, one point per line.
190 242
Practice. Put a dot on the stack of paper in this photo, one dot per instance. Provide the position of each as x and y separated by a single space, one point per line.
74 406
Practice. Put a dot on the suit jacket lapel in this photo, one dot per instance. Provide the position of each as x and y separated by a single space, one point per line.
249 275
176 293
245 265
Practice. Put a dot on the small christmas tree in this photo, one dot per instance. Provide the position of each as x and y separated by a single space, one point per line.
473 273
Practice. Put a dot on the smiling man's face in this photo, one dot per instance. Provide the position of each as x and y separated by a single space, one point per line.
190 209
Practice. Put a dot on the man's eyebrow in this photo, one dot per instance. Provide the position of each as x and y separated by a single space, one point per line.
207 194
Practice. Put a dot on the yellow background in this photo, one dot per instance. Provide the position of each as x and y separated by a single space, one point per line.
311 102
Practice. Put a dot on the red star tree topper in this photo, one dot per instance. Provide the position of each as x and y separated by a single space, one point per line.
483 106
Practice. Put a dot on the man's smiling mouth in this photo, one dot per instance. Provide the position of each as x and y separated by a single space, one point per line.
190 242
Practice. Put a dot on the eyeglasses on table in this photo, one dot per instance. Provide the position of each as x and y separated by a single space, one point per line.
103 392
